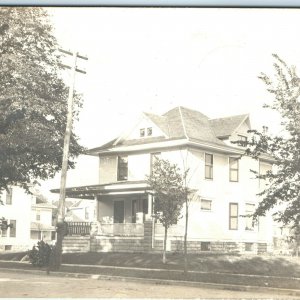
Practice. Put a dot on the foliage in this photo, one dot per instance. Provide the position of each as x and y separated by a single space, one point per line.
41 255
282 192
167 182
33 100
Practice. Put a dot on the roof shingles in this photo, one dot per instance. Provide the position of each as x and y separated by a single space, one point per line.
184 123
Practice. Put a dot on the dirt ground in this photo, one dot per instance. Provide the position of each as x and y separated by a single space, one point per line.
18 285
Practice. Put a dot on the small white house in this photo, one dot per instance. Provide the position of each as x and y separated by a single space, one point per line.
29 217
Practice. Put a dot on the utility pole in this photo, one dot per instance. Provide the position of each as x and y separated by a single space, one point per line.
60 225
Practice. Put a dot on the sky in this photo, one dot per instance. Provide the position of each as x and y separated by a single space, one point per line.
153 59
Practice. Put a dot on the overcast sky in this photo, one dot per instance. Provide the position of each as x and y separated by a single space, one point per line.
153 59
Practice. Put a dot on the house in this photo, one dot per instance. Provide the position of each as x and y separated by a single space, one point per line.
41 225
29 217
226 190
80 210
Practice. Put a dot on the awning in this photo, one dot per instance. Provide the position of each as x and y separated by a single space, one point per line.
116 188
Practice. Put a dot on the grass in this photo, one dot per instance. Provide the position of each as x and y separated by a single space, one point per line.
203 262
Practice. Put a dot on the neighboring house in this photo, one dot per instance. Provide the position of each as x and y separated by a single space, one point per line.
41 226
82 210
28 216
225 188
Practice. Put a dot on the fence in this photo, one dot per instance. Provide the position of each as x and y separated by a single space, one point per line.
79 228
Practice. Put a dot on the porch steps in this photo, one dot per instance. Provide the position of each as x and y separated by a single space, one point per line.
73 244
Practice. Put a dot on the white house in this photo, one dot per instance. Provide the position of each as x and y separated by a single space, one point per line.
29 217
225 188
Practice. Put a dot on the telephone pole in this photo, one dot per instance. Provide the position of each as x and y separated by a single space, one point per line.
60 225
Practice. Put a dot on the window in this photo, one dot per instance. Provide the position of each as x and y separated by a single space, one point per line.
248 246
38 215
142 132
149 131
122 168
243 140
209 160
4 232
12 231
9 196
205 204
249 219
153 158
205 246
7 247
233 169
233 216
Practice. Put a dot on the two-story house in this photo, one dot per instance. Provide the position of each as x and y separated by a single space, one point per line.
225 188
29 217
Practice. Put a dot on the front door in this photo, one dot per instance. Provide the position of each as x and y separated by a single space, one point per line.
118 211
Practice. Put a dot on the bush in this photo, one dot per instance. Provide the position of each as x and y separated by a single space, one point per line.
41 255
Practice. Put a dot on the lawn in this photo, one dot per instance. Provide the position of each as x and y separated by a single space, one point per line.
203 262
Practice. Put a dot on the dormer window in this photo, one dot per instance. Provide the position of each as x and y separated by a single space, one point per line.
142 132
149 131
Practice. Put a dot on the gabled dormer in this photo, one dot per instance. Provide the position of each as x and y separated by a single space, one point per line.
234 128
148 128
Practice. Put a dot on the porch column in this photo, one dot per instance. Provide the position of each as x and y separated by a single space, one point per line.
95 217
149 215
94 223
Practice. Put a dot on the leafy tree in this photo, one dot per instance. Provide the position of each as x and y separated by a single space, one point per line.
282 192
167 183
33 100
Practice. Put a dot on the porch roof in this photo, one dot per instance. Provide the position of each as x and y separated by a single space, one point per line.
115 188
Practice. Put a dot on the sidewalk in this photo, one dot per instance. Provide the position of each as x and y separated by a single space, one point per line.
241 282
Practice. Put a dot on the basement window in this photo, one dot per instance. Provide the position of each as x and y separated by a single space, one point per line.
205 246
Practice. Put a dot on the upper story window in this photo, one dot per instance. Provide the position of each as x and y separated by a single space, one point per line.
9 196
233 169
122 168
153 158
142 132
243 140
233 216
209 161
145 131
205 204
149 131
250 208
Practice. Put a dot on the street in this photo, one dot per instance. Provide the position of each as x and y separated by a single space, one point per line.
19 285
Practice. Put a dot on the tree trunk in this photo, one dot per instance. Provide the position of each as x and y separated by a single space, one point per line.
185 237
165 245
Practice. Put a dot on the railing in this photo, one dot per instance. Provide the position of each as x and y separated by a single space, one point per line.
121 229
79 228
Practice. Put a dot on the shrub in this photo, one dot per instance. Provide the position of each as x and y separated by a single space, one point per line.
40 255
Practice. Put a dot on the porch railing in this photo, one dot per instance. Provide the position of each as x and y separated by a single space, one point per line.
121 229
79 228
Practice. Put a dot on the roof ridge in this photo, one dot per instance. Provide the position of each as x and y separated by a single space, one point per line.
233 116
182 121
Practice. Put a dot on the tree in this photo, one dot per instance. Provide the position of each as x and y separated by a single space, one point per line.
282 193
167 183
33 100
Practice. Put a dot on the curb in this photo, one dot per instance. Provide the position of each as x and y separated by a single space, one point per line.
219 286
